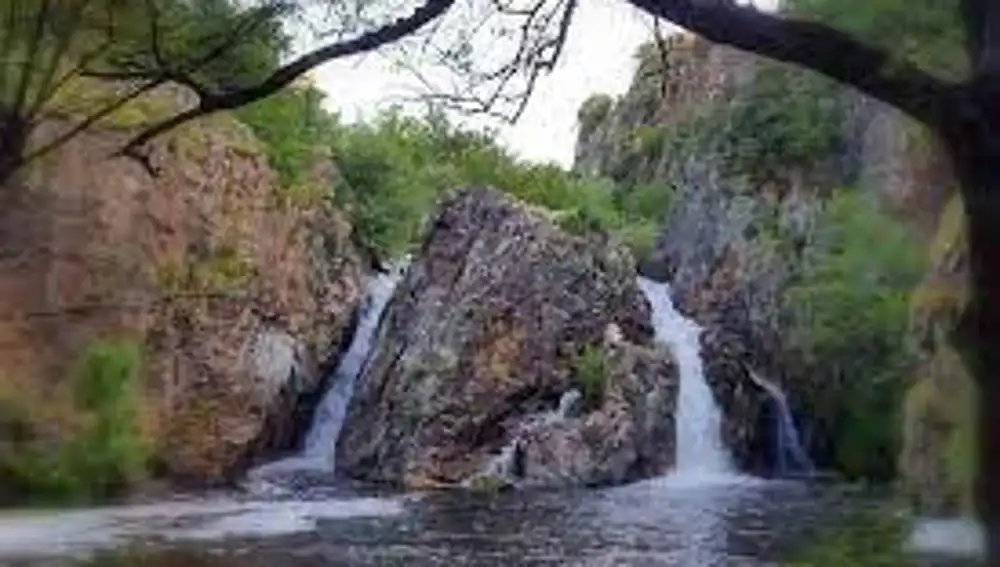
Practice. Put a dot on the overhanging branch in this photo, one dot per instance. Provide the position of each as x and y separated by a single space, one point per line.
816 46
228 100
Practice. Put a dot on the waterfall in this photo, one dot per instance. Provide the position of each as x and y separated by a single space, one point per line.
700 450
318 453
786 434
321 440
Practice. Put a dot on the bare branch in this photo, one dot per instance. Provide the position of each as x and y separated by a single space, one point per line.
815 46
501 91
215 102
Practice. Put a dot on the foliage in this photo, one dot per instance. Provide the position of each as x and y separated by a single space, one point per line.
927 32
593 111
293 125
872 539
649 141
395 167
103 451
185 35
849 314
790 118
590 370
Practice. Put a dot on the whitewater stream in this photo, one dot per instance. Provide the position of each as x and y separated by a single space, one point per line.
703 514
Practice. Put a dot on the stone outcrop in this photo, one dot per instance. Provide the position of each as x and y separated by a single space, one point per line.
629 436
237 288
740 229
499 316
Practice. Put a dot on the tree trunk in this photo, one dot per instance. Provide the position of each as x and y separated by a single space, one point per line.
976 153
13 131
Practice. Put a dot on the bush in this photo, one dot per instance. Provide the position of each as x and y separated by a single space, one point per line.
104 449
591 375
293 126
593 111
848 315
395 167
791 118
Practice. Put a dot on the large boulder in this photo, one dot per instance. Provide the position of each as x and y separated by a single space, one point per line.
236 288
629 436
501 315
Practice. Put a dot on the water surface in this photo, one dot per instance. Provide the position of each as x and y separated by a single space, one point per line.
661 522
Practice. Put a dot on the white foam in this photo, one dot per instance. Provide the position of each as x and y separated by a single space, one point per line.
30 534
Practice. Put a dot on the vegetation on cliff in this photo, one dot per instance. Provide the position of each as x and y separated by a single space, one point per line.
95 445
847 318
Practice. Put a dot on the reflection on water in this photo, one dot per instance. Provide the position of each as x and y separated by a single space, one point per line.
661 522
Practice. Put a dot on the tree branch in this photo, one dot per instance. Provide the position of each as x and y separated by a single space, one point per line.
215 102
815 46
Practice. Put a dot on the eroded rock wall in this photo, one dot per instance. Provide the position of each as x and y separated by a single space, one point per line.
236 289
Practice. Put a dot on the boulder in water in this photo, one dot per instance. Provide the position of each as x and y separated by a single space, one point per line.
486 333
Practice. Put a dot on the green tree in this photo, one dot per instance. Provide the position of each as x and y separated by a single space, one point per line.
849 315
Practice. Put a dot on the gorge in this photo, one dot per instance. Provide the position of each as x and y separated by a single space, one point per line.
604 366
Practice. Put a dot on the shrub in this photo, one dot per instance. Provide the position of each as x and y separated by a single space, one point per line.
591 374
395 167
593 111
293 126
790 118
848 318
104 448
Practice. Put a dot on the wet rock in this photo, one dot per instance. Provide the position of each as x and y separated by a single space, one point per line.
630 436
485 332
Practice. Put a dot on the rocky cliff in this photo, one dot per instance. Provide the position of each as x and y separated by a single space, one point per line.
752 152
937 462
500 319
236 288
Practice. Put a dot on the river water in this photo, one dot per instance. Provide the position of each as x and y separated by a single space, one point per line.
660 522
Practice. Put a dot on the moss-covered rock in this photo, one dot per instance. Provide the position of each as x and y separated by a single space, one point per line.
938 459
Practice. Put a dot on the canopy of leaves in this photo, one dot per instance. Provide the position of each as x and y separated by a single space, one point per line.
849 315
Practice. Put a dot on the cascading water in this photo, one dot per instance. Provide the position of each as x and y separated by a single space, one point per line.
321 440
786 434
700 451
318 453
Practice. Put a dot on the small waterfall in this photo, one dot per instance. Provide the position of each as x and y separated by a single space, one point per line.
787 440
318 452
700 450
321 440
504 465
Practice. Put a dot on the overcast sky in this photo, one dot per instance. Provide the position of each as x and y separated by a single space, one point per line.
597 59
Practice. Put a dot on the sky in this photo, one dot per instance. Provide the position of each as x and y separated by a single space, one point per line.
597 58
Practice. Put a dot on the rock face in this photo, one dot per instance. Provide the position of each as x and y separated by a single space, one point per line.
937 463
743 218
236 292
499 316
630 436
